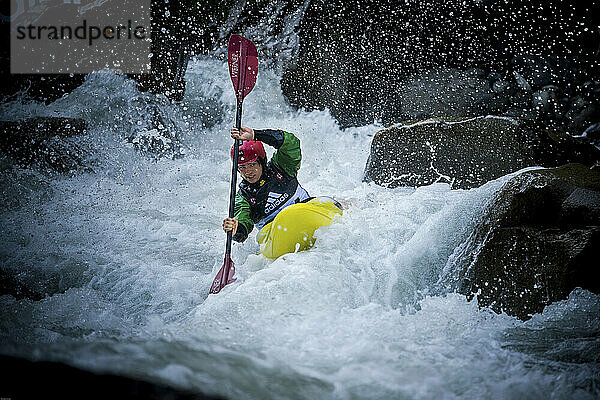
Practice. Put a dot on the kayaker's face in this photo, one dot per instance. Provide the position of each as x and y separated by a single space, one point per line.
251 172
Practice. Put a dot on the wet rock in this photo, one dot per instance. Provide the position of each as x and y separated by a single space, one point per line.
12 287
546 100
468 152
522 82
182 29
355 55
537 243
39 87
29 283
35 281
270 24
534 69
581 115
500 86
494 76
521 101
593 134
45 142
55 380
445 93
177 34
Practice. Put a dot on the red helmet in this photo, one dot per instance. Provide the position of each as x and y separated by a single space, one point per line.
250 151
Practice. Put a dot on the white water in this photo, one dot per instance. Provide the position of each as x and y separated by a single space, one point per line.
131 250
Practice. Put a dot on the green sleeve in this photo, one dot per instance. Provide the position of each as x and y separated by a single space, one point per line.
242 213
289 155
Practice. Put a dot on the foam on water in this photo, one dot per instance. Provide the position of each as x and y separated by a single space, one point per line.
126 256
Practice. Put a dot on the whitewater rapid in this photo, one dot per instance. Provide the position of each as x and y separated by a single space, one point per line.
128 253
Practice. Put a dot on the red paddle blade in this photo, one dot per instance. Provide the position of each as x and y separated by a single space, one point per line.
224 276
243 65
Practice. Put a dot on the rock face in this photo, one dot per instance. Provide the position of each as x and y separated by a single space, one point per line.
538 242
45 142
355 56
56 380
179 30
468 152
367 60
447 92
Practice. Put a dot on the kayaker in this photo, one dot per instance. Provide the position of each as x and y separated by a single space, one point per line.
267 187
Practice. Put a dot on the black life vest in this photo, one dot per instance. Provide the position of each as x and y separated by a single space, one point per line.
274 191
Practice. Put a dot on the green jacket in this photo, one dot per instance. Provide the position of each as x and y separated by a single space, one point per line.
278 187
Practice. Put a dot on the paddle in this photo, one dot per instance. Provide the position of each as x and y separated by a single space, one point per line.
243 69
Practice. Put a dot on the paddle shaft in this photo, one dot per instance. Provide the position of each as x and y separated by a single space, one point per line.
236 150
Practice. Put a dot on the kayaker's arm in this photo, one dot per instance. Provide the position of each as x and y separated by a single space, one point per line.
288 155
242 213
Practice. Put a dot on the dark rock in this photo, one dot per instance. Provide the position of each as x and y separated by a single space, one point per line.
534 69
593 134
176 32
538 242
582 205
43 88
355 55
12 287
181 29
24 280
521 101
24 379
500 86
270 24
44 141
581 116
546 100
468 152
455 93
494 76
522 82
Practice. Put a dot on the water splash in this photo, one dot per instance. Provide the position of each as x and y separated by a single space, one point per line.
127 255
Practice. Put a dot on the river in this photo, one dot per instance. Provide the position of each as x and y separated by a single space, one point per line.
129 251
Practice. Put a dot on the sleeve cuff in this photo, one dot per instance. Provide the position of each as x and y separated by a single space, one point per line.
241 234
272 137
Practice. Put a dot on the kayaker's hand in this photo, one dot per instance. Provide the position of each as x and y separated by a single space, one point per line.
229 224
244 133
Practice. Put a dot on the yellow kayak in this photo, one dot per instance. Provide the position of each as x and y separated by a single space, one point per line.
293 228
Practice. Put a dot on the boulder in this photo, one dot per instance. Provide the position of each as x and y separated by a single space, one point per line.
582 116
545 100
58 380
355 56
468 152
537 243
534 69
180 29
45 142
35 281
445 93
